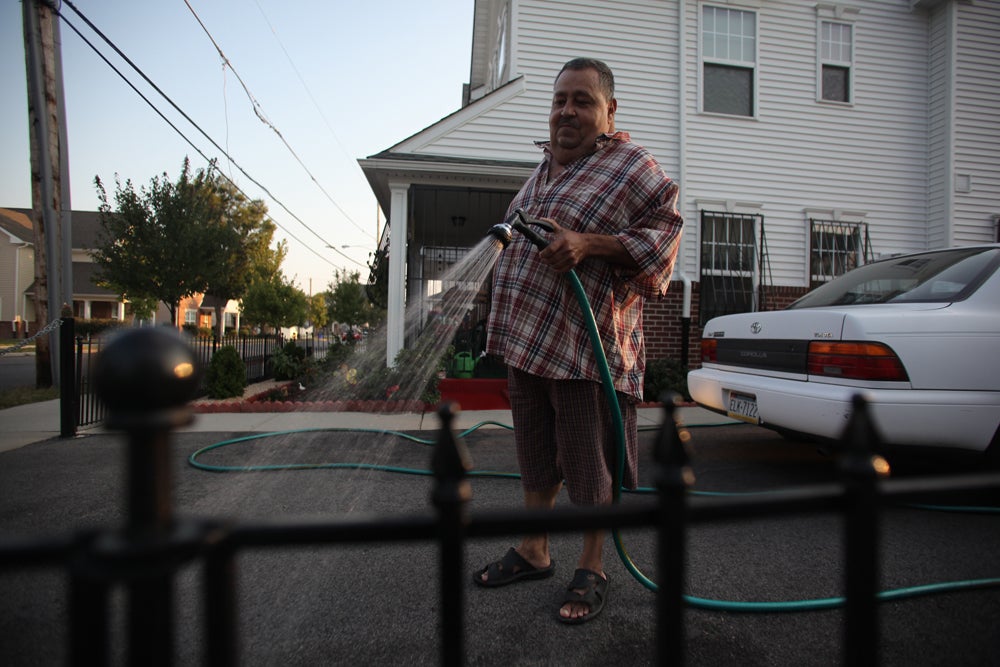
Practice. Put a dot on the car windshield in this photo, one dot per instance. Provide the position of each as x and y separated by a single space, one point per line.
932 277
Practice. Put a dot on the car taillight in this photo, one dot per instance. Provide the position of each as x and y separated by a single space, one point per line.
855 361
709 348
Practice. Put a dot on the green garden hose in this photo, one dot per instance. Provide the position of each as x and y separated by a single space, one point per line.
612 398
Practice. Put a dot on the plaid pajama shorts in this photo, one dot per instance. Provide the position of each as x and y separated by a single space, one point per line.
563 430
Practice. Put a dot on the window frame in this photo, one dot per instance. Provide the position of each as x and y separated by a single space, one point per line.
751 254
841 230
822 61
704 59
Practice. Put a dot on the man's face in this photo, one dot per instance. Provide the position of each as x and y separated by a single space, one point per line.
580 113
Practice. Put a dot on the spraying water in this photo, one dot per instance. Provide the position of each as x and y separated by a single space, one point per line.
363 375
428 337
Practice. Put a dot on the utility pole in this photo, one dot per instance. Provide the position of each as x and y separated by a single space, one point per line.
49 180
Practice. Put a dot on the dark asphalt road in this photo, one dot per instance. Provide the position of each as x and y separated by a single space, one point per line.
17 370
376 604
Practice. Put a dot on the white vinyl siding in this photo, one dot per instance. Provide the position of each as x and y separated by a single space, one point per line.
629 36
977 122
939 118
799 155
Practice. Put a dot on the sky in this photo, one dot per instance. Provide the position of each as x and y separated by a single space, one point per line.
310 87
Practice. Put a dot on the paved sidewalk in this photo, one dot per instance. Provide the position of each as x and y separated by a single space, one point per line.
35 422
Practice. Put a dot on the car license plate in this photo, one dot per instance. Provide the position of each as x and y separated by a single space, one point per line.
743 407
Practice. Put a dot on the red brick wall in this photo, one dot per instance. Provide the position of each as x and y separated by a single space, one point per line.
663 324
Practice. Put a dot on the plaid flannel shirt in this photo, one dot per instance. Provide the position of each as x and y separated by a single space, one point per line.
535 323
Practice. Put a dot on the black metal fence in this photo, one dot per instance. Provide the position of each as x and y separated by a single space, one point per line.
154 546
257 352
81 405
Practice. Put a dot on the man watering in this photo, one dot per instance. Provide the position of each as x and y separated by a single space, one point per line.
612 212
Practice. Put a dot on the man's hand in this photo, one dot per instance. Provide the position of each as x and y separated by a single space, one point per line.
567 248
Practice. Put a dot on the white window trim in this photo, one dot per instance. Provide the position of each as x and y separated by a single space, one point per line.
820 61
751 7
843 14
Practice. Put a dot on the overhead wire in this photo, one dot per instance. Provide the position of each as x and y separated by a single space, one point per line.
305 85
149 81
259 112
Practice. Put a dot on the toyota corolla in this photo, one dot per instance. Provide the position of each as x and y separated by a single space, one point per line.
918 335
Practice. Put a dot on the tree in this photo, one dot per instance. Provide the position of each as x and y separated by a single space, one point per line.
242 250
348 301
172 240
318 314
275 303
154 242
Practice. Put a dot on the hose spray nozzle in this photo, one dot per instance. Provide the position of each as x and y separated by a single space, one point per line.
523 225
504 231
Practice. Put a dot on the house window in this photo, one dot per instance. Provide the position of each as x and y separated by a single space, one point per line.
190 316
729 60
835 248
730 263
836 60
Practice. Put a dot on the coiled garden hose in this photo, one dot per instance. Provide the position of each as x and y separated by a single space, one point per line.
607 383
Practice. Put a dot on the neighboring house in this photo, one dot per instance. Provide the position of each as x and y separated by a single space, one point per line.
806 138
17 274
17 280
17 271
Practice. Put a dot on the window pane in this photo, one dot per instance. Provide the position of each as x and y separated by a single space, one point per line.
728 90
835 248
835 42
728 34
836 83
728 263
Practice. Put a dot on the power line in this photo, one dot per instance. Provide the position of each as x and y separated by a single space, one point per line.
259 112
177 129
305 86
189 120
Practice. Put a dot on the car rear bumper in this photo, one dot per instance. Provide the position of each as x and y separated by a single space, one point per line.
960 419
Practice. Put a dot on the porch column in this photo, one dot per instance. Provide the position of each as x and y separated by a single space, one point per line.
395 327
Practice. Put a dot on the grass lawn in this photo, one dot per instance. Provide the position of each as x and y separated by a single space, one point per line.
10 398
21 395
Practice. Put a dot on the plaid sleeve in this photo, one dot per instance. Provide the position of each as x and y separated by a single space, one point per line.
654 232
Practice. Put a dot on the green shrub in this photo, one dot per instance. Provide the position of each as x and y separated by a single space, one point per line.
94 327
289 362
226 374
665 375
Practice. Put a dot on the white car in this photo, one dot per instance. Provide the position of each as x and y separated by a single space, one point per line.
918 335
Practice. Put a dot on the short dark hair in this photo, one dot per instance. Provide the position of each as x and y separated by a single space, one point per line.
605 76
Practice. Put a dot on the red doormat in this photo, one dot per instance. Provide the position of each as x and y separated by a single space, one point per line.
476 394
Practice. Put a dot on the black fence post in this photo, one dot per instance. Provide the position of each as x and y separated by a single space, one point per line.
860 469
146 377
451 493
89 633
673 477
221 614
67 379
